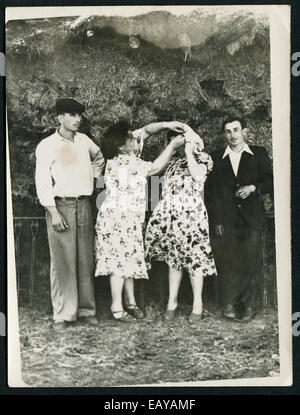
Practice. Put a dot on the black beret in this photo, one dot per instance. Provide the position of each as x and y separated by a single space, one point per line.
69 105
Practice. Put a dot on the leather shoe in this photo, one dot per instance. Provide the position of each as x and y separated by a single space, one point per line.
229 311
135 311
248 314
59 326
92 320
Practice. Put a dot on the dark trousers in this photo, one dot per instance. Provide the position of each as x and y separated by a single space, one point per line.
237 258
72 262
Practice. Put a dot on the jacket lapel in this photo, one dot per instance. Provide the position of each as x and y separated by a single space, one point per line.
244 164
227 167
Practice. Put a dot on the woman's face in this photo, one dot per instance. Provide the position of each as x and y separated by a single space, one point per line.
131 144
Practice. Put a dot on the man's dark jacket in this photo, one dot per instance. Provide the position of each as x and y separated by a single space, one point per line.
223 206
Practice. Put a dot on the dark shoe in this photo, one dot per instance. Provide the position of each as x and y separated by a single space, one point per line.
135 311
92 320
229 311
124 316
195 318
169 315
248 314
59 326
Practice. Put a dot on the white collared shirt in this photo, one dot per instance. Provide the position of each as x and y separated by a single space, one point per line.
235 157
65 168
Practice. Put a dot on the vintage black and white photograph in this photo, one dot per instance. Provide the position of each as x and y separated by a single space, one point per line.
146 195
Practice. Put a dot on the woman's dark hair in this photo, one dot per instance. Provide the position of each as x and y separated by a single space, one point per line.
232 118
171 134
114 137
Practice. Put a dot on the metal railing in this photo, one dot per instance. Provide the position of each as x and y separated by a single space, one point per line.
267 287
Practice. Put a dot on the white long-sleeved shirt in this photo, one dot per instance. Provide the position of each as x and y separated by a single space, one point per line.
65 168
235 157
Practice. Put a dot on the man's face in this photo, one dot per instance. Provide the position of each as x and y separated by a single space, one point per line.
70 122
234 133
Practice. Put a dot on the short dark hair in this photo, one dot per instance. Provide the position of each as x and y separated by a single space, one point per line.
114 137
232 118
68 105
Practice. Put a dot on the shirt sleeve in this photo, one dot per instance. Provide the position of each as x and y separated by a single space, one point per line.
97 159
140 135
43 178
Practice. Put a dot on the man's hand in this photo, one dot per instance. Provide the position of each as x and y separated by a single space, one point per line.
219 230
58 221
244 191
176 126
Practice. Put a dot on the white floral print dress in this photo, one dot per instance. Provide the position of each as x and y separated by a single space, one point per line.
119 227
177 232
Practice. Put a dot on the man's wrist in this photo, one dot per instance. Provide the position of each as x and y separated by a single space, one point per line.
51 209
253 188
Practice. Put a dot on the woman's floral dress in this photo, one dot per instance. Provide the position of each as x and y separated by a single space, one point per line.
119 237
177 232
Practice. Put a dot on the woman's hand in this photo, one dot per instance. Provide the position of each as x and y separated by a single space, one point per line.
177 142
176 126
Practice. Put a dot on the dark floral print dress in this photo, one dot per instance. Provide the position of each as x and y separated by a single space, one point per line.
177 232
119 228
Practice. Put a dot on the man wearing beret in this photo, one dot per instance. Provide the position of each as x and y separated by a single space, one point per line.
66 164
240 175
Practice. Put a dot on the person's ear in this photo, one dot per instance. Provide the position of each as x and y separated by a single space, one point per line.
60 118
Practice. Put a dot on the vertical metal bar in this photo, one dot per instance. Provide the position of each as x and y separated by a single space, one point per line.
217 291
17 228
34 229
265 274
274 266
161 291
142 296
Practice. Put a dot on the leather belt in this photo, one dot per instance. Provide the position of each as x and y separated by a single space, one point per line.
64 199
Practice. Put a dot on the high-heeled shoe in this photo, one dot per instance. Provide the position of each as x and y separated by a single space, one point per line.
135 311
195 318
124 316
170 315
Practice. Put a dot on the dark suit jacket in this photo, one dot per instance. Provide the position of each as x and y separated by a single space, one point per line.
222 204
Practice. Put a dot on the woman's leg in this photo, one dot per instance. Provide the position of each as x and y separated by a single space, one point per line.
130 304
129 291
175 277
116 286
197 286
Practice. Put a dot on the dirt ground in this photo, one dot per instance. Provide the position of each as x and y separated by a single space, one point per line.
149 351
